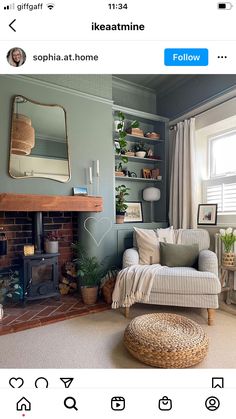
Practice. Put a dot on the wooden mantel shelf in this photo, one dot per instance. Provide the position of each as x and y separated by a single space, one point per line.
23 202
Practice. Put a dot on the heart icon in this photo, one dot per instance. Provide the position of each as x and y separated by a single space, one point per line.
105 222
16 382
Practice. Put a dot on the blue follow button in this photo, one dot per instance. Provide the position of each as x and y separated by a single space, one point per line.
186 56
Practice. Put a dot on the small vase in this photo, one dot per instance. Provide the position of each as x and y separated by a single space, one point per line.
228 259
51 246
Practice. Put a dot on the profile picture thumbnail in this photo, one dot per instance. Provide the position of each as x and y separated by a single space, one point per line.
16 57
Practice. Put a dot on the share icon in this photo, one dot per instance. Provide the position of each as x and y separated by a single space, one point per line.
67 381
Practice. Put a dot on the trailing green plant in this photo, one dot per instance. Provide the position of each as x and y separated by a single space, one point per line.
122 135
122 193
89 270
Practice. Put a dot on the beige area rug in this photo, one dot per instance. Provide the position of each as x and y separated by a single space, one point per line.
95 341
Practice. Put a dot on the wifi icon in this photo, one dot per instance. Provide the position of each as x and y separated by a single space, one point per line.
50 6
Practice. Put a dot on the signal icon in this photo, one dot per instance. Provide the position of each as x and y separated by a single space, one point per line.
9 6
50 6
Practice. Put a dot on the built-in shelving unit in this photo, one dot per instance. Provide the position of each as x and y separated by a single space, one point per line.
148 123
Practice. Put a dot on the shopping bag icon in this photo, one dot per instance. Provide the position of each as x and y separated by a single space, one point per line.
165 403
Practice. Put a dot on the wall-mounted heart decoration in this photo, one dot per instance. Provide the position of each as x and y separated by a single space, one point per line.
104 223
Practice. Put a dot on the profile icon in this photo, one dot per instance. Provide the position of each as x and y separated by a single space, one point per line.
16 57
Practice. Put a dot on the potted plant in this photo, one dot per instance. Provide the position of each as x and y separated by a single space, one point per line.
89 272
121 206
140 149
228 237
122 147
51 242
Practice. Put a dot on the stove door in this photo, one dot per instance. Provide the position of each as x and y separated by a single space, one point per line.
42 278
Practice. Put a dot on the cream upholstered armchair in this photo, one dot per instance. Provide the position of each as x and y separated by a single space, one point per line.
178 286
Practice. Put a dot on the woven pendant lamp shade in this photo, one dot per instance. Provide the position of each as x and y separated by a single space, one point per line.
23 135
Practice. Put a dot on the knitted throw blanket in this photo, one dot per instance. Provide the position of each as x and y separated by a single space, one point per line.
134 284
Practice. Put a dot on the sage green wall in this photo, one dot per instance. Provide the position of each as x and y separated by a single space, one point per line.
93 84
89 132
87 100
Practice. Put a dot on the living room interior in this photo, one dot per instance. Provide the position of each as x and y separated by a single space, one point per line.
59 186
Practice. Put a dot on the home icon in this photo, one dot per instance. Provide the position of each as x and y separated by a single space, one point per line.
23 404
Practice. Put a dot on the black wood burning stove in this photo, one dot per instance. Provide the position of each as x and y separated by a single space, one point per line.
40 271
40 276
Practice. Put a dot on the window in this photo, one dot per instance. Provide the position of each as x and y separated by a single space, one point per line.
223 154
220 188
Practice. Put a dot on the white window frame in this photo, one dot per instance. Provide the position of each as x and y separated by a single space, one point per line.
223 179
210 140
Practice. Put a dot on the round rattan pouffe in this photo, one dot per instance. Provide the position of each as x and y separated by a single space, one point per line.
166 340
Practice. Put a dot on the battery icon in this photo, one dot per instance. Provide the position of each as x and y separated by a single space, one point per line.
226 6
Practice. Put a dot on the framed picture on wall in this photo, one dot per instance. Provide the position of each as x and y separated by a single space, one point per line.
134 212
80 190
207 214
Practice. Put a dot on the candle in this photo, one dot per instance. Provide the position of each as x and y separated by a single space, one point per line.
90 175
97 168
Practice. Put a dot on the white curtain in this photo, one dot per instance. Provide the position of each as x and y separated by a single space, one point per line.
183 208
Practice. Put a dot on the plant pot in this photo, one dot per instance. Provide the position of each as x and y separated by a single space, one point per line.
51 246
120 217
140 154
89 294
228 259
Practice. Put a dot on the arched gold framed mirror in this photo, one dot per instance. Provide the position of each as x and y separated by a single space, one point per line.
39 142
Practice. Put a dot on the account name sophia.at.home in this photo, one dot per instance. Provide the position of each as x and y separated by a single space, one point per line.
66 57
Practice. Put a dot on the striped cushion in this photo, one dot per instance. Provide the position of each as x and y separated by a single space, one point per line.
185 281
191 236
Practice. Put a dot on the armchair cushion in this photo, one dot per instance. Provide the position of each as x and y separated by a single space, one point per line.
148 246
207 262
174 255
185 281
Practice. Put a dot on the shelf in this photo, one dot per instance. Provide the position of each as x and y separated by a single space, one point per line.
137 138
138 159
28 202
137 179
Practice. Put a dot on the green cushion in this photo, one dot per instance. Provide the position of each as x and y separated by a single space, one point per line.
177 255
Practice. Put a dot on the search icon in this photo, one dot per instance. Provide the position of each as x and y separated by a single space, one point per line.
70 403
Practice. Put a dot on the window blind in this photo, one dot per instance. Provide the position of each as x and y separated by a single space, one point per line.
221 192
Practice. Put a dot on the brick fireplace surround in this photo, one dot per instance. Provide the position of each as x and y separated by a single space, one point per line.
18 228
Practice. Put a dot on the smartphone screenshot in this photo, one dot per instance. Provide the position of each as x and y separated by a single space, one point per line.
117 209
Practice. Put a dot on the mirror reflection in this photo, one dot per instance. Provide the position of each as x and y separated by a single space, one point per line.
39 146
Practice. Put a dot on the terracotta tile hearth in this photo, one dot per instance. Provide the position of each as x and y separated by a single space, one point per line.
40 313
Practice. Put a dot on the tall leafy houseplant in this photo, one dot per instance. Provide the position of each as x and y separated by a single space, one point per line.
89 272
122 148
121 206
